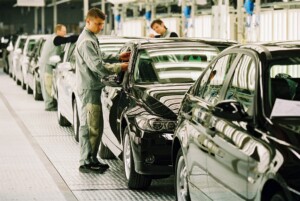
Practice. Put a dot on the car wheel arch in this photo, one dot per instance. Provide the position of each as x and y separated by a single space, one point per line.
175 148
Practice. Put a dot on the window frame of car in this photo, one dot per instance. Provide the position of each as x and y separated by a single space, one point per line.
229 76
127 78
196 86
212 69
267 81
229 84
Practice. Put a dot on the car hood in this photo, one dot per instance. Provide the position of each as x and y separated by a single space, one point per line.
162 100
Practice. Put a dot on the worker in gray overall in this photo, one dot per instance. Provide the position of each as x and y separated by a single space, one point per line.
159 27
90 69
46 67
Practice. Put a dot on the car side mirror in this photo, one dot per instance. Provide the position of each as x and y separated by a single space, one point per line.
54 59
229 109
111 80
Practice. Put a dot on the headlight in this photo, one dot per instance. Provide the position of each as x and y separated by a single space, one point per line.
155 123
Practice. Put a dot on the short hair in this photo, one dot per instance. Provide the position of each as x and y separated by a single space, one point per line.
58 27
94 13
157 21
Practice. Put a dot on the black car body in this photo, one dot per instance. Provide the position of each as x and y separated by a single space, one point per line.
238 133
140 113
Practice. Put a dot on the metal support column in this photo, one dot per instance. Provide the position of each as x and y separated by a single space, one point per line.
183 19
35 20
153 10
85 8
111 19
193 14
116 13
257 13
240 20
43 19
54 14
103 10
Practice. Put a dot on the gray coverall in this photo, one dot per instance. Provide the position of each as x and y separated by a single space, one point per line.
46 72
90 68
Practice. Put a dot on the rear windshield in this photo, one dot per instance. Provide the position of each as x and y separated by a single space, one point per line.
172 65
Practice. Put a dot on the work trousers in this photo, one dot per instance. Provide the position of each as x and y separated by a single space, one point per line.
91 125
46 86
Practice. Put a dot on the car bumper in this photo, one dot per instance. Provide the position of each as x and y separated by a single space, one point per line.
152 153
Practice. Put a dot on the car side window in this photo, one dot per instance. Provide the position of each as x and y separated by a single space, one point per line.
242 84
144 71
213 79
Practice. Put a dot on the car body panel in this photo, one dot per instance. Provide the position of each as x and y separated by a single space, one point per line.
245 158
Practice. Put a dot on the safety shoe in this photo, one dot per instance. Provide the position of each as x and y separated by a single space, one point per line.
88 168
101 165
51 109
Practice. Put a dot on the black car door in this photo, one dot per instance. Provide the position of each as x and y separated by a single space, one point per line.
113 100
232 144
200 145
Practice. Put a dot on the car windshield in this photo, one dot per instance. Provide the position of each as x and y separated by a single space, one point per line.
284 86
172 65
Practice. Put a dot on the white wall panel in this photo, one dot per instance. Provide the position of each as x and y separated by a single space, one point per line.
280 25
266 26
134 28
294 24
203 26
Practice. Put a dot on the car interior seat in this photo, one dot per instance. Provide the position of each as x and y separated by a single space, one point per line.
280 89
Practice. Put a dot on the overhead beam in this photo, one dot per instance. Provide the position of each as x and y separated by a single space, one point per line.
58 2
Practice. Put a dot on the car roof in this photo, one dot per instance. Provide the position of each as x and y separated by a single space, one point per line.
146 43
115 39
273 50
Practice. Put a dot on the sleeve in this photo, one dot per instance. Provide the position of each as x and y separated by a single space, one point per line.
173 34
94 61
110 57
